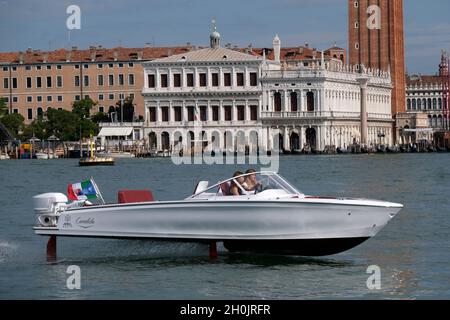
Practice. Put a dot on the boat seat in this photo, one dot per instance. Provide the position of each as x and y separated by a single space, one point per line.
225 188
135 196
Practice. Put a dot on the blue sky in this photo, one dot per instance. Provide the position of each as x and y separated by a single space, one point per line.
41 24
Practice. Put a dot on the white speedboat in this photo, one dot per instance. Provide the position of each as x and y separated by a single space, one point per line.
275 218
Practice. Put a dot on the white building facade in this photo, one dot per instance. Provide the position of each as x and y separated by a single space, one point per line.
238 102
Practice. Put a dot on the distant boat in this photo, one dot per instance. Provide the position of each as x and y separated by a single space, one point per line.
96 161
116 155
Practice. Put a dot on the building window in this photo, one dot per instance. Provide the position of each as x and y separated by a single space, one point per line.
440 103
434 104
130 65
429 104
215 113
39 98
38 68
60 98
100 97
49 98
5 68
100 66
111 79
132 96
202 79
294 107
408 104
49 82
253 79
227 79
177 113
190 79
240 79
59 81
228 114
165 114
177 80
215 79
77 98
277 101
14 83
164 83
121 82
241 113
100 80
203 113
29 82
49 67
151 81
419 104
29 99
414 104
14 68
38 82
131 79
254 113
121 96
86 66
357 45
110 65
152 112
5 83
356 4
40 112
77 81
15 99
101 109
310 102
59 67
120 65
86 81
356 25
30 114
111 96
15 110
77 66
191 114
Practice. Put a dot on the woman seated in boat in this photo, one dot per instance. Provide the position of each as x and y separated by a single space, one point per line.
236 190
250 180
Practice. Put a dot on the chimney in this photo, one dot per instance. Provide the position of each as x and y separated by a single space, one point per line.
68 56
277 48
20 57
45 58
140 54
116 55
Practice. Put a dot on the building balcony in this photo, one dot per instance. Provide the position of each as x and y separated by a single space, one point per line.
323 115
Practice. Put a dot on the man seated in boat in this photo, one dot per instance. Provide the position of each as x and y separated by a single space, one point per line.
235 189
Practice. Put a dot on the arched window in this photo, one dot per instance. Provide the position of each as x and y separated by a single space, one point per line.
294 107
429 103
440 103
434 104
310 102
40 112
414 104
277 101
419 104
430 123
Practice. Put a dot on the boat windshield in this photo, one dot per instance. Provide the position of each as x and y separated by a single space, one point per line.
250 184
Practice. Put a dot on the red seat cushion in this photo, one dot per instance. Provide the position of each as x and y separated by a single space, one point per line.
135 196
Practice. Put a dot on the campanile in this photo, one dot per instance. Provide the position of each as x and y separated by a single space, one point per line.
376 40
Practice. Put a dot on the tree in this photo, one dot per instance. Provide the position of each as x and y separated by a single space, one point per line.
83 108
100 117
37 129
14 122
63 124
128 110
3 107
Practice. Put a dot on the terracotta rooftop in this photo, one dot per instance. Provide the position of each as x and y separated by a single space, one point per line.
423 80
88 55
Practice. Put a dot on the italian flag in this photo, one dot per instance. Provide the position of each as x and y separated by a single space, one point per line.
82 191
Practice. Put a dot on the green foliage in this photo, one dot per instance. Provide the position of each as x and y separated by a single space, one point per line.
3 107
14 122
128 110
100 117
83 108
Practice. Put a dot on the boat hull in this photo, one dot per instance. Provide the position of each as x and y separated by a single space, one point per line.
289 227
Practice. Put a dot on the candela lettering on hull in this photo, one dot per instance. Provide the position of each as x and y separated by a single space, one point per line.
256 212
193 310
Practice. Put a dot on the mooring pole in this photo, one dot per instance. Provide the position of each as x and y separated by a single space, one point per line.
213 250
51 249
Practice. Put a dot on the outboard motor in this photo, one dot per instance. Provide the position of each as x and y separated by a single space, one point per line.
48 207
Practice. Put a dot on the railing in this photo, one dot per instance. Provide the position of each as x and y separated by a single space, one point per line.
321 114
123 124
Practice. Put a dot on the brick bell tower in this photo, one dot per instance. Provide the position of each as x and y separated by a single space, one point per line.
376 40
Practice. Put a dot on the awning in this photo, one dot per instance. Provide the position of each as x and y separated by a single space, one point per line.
426 130
115 132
